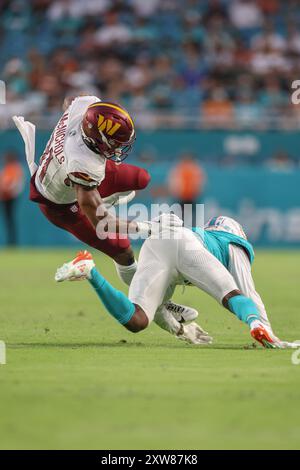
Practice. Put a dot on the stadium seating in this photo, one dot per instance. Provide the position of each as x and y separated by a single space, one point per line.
167 61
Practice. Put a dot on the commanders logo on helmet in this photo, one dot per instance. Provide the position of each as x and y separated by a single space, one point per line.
108 130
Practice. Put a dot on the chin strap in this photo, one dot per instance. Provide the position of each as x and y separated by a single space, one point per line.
93 147
105 141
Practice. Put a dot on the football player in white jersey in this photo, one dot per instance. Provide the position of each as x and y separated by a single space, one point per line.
81 165
81 168
216 259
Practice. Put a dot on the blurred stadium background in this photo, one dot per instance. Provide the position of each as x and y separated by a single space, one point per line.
211 79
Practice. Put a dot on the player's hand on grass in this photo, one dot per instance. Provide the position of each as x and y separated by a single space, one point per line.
194 334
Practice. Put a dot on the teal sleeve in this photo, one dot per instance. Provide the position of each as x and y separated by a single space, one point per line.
115 302
244 308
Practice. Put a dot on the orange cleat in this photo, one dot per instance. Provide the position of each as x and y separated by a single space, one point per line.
267 339
82 256
261 334
78 269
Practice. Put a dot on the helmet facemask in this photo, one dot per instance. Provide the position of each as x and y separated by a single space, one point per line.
115 150
111 149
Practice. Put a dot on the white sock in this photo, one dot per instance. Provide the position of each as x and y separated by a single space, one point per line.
126 273
255 324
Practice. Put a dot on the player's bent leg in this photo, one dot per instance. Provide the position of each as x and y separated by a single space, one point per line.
138 322
203 270
77 223
118 305
124 257
123 178
247 311
243 307
115 302
240 268
261 330
126 265
152 285
71 219
153 277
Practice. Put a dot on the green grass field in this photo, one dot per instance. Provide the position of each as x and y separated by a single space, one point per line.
75 379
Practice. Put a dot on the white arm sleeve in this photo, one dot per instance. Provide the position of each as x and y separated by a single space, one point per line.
240 268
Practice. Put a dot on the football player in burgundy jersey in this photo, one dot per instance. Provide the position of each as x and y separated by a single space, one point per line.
81 165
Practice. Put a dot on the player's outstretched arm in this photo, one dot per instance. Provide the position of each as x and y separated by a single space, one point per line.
91 204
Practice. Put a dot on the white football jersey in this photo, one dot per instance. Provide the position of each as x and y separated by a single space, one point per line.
67 160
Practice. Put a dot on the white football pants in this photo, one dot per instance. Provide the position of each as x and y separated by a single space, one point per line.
165 263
